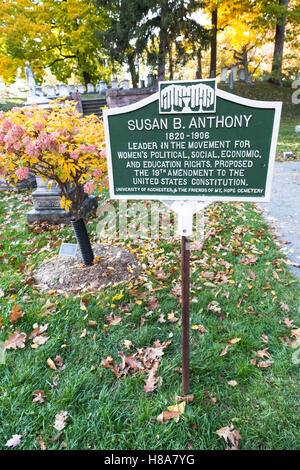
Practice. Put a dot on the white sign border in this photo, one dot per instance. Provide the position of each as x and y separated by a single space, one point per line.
276 105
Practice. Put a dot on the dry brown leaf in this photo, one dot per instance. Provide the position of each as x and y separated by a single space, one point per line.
38 330
51 364
41 443
248 259
262 353
232 341
16 314
284 307
60 420
264 339
230 436
263 365
15 340
153 303
40 339
296 333
233 383
39 396
165 416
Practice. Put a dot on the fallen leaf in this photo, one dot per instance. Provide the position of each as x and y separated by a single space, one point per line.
263 353
265 364
39 396
14 441
60 420
230 436
16 314
51 364
41 443
233 383
15 340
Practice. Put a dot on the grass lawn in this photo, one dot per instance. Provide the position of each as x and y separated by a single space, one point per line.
256 303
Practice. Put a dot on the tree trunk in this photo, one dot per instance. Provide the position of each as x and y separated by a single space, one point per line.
83 240
86 78
163 43
134 74
213 47
199 64
276 76
171 63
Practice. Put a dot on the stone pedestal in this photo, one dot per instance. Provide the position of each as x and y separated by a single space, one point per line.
46 203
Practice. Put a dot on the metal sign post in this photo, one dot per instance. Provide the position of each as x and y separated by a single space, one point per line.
185 211
185 315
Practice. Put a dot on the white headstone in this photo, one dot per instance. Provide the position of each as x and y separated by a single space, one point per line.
50 92
114 83
80 88
90 88
224 73
241 75
63 90
297 129
125 84
234 70
102 86
71 88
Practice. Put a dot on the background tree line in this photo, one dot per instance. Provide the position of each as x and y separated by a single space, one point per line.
93 38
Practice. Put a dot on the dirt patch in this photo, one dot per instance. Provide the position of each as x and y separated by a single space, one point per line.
65 274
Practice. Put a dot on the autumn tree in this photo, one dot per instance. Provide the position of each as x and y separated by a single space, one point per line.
61 146
51 33
119 40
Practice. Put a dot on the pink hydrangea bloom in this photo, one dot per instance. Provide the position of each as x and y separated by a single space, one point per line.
89 188
74 155
39 126
98 173
22 173
103 153
62 148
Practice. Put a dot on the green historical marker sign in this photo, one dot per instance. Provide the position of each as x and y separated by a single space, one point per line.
192 141
191 144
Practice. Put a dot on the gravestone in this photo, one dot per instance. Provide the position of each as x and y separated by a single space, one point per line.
63 90
297 129
249 78
80 88
71 88
114 84
241 75
142 83
39 91
46 205
125 84
231 80
50 91
90 88
102 87
224 73
234 70
149 80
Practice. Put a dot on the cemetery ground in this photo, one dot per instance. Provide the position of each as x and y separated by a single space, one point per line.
83 387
